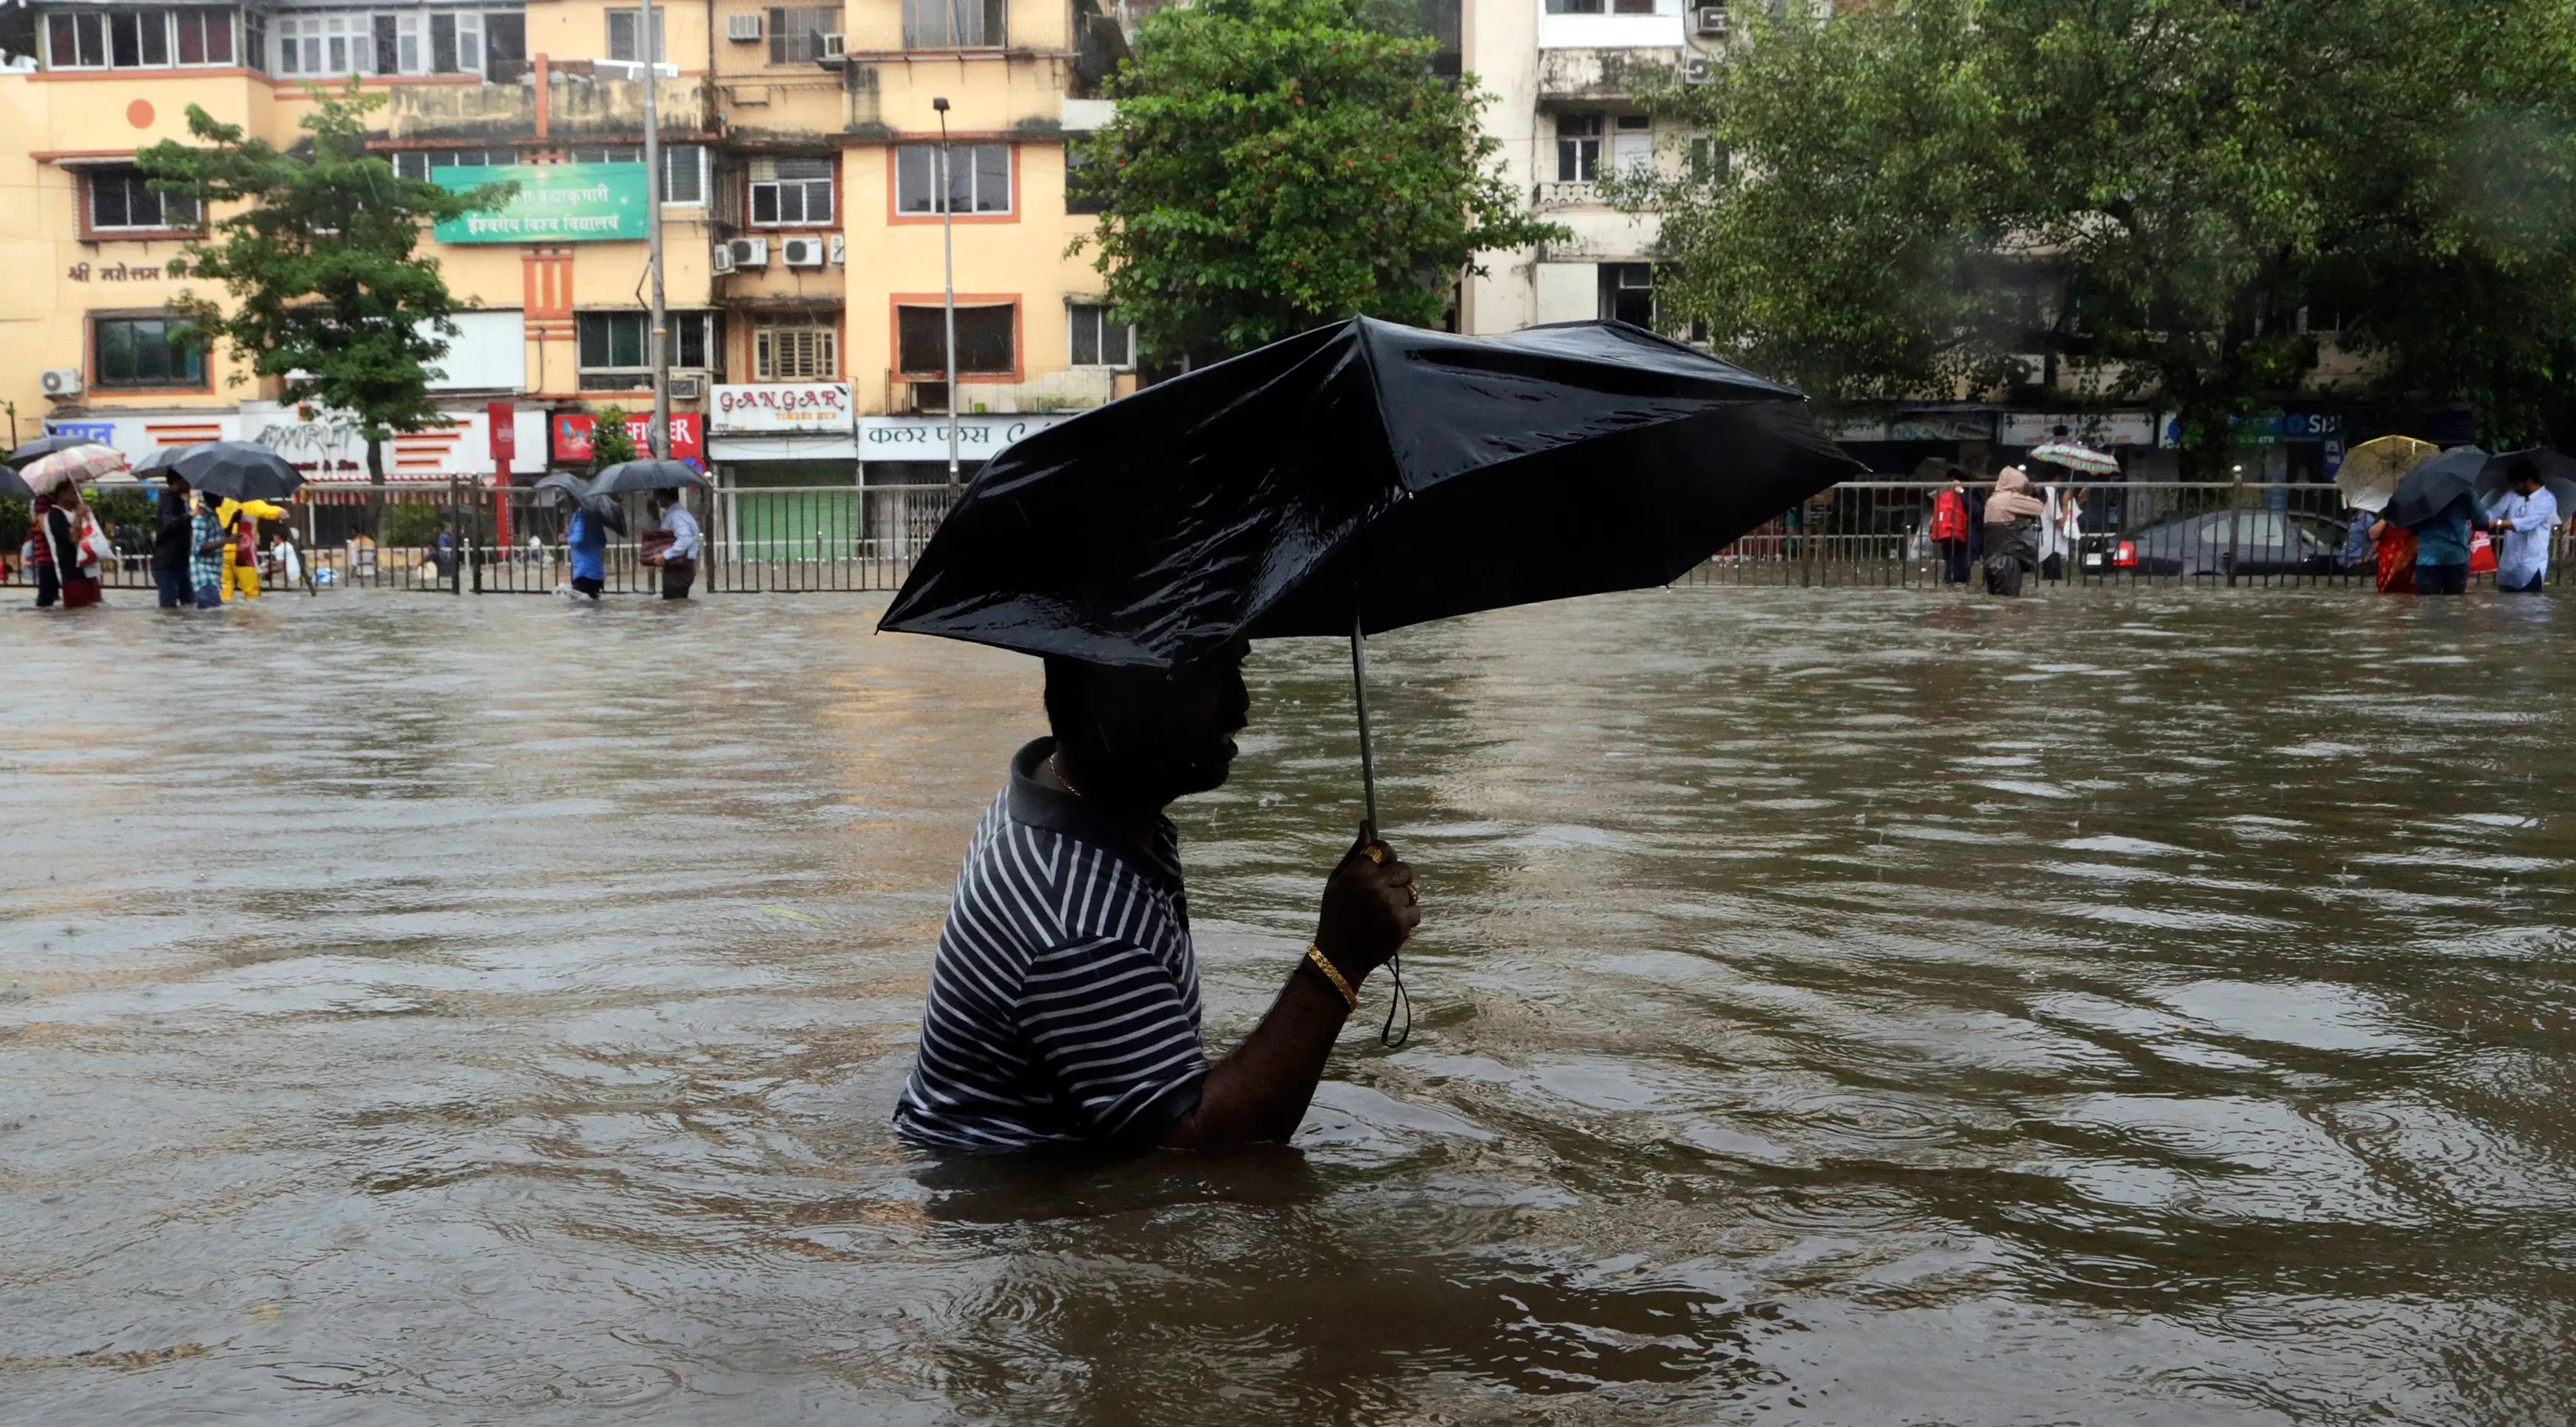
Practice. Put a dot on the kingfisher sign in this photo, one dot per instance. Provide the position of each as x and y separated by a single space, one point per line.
572 430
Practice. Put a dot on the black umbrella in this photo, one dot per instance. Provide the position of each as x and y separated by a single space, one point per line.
14 486
160 459
2556 471
1361 478
237 470
576 491
47 445
647 475
2429 489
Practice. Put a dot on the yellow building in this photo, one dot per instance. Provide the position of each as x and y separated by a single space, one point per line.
803 232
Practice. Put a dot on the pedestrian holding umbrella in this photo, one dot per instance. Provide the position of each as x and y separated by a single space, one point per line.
1350 480
572 490
2526 493
2438 502
586 538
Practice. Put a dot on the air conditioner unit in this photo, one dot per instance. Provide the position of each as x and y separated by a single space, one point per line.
801 252
1713 20
721 260
835 46
689 387
743 29
840 250
1698 69
59 382
749 252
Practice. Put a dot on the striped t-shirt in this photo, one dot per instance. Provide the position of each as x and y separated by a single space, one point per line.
1064 1003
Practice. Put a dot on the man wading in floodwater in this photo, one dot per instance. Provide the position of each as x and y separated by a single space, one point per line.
1064 1004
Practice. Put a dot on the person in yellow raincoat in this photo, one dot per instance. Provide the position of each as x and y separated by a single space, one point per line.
241 553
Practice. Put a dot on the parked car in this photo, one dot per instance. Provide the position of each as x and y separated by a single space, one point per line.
2244 542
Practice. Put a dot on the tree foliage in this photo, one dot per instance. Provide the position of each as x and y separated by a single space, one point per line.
2152 191
1280 164
610 443
319 257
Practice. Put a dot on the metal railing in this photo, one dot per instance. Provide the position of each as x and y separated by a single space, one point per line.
782 540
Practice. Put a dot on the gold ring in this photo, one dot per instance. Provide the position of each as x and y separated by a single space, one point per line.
1375 853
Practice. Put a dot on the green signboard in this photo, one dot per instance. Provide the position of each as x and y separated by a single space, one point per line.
556 203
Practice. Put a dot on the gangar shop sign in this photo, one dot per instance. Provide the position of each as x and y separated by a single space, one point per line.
925 438
820 408
556 203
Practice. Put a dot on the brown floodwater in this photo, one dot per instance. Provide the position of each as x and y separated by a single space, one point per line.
1835 1007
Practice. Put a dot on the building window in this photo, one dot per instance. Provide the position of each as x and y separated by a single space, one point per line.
1707 160
255 40
987 345
1097 340
417 163
684 174
794 351
1628 293
139 39
122 199
615 349
456 43
1575 7
138 352
1578 148
979 179
796 33
791 192
625 27
1080 194
610 154
954 24
1632 144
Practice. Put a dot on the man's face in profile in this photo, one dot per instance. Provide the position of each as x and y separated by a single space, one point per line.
1168 733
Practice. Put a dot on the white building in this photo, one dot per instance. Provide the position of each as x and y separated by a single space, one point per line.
1563 74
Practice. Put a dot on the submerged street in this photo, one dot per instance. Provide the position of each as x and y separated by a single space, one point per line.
1873 1006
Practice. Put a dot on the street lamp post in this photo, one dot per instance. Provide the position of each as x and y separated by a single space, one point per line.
658 442
948 262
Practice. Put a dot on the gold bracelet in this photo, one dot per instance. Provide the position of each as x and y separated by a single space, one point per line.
1333 974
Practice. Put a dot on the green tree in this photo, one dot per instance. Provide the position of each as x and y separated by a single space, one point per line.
319 255
1280 164
2163 196
609 441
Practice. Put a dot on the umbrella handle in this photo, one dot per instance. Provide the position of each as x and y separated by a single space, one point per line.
1359 692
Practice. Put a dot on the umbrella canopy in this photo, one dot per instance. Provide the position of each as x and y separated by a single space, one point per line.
48 444
160 459
14 486
2077 458
1364 477
2430 488
72 465
647 475
2556 471
238 470
573 490
2371 470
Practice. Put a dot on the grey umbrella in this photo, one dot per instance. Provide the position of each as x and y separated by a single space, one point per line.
238 470
162 459
2556 471
14 486
572 488
46 445
652 475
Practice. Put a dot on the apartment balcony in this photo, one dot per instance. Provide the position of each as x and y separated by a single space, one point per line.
1549 196
1665 29
1598 75
578 99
